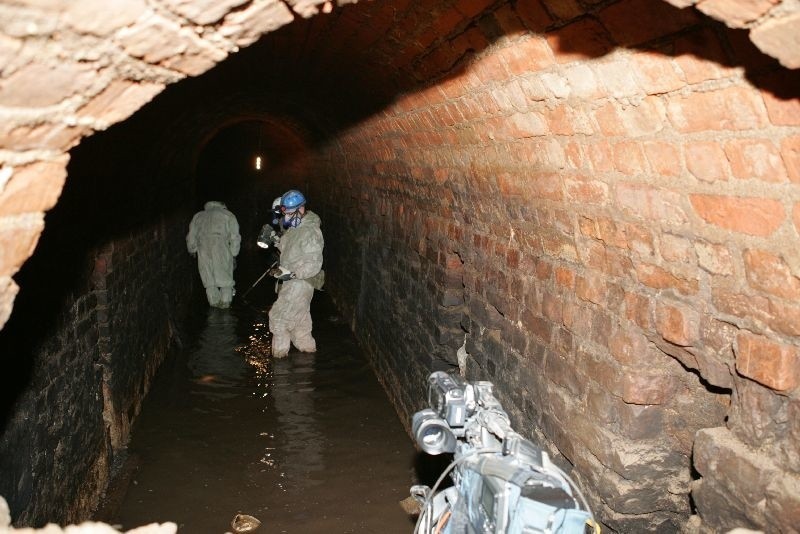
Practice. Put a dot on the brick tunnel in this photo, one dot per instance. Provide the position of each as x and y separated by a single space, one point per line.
601 197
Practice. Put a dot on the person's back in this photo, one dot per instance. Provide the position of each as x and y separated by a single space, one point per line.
214 237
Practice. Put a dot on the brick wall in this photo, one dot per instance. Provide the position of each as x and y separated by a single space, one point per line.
614 230
601 196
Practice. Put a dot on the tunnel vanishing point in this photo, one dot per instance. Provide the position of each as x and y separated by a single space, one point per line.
600 197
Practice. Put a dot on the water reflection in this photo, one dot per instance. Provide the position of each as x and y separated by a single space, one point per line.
308 443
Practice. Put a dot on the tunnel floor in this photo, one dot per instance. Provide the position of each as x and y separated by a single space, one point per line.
308 443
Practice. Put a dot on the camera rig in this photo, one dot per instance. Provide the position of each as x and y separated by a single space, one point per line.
503 483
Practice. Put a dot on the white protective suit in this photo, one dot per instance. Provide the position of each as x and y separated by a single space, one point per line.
214 237
290 316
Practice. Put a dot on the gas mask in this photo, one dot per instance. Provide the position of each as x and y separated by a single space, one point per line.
292 219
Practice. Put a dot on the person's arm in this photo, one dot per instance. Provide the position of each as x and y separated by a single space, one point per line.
234 239
191 237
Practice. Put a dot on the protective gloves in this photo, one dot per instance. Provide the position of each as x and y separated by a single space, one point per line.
281 273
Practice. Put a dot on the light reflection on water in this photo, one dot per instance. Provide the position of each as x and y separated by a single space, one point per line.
307 443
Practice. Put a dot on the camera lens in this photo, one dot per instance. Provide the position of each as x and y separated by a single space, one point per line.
432 433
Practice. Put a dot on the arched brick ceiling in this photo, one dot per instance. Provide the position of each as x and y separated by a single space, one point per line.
339 62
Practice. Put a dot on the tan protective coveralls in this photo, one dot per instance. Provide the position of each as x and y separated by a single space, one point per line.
290 315
214 236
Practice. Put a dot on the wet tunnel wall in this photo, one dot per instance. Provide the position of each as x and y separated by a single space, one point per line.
599 198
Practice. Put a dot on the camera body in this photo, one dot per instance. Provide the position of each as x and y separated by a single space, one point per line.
503 483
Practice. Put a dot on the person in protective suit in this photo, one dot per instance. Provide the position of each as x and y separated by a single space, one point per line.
214 237
300 272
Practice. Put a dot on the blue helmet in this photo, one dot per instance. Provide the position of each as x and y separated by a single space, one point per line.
292 199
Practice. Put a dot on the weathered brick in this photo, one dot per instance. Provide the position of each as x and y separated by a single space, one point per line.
650 203
755 159
585 191
796 217
716 259
779 38
780 89
770 273
790 152
629 348
701 56
95 17
119 100
629 158
676 249
565 277
24 88
34 187
677 324
664 157
530 55
18 237
707 161
734 108
8 292
645 388
773 364
736 13
656 73
752 216
659 278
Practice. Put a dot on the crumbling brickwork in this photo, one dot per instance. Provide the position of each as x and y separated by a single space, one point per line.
600 198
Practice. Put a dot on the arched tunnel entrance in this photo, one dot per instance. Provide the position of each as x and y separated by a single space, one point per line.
602 199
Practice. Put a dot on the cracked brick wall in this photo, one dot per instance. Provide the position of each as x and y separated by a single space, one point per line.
601 198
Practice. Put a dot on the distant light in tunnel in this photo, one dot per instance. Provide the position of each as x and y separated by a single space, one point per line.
258 163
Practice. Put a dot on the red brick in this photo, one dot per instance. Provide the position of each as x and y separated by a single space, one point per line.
733 108
768 272
471 8
707 161
509 21
567 120
796 217
757 159
715 259
591 288
777 314
586 191
547 186
39 85
580 40
778 38
565 277
18 237
633 22
651 204
629 348
790 151
676 249
629 158
563 9
119 100
533 14
774 365
678 325
779 92
530 55
664 157
643 388
33 188
656 72
752 216
700 56
658 278
639 309
601 156
646 118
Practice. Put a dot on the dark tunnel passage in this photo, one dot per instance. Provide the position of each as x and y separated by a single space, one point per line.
598 202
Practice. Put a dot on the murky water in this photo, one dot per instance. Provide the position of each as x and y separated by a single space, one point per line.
307 444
